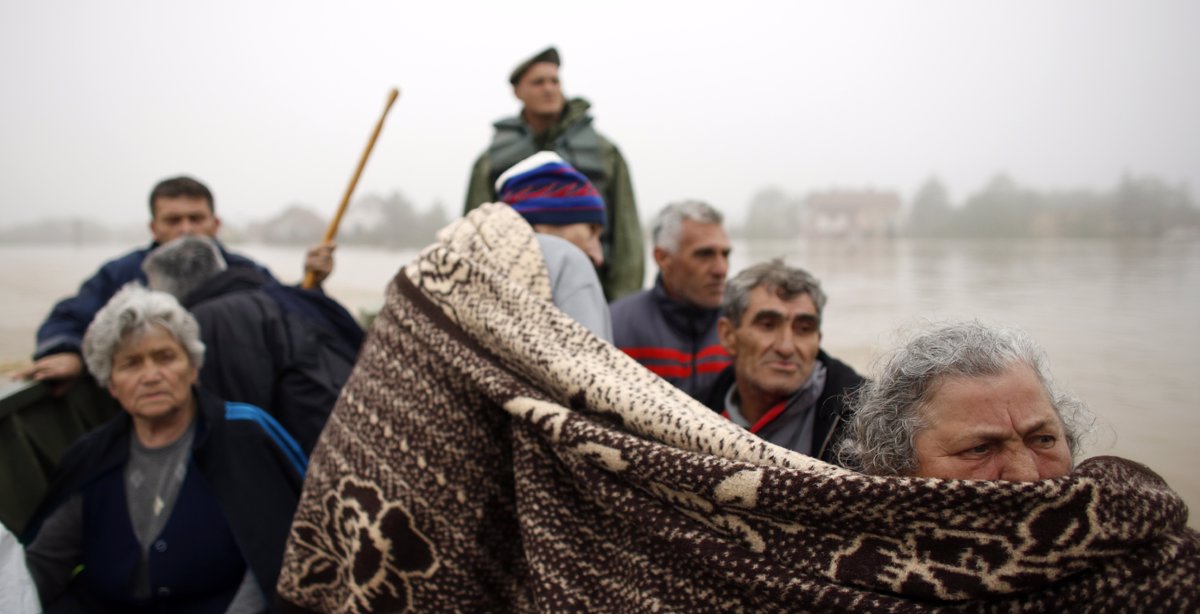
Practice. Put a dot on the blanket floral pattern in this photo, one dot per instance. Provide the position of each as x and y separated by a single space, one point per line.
489 454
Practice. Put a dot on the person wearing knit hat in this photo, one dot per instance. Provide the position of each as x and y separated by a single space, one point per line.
557 200
567 215
550 122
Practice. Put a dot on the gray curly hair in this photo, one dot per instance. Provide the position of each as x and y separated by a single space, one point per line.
668 224
182 265
887 411
131 311
775 275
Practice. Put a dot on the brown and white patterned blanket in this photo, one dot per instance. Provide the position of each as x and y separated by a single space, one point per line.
489 454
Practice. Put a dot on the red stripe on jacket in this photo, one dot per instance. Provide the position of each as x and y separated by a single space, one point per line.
659 353
764 419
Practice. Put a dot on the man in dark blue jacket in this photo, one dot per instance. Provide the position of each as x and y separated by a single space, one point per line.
672 328
178 206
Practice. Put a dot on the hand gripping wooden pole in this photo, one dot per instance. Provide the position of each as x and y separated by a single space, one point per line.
310 278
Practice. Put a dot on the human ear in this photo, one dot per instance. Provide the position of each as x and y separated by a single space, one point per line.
725 331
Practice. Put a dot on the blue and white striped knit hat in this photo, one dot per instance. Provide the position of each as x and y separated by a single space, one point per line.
546 190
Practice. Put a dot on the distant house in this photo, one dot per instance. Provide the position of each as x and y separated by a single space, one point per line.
851 213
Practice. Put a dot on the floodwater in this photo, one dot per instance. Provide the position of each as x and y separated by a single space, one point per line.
1120 321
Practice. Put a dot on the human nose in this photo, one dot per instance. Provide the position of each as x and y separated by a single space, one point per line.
151 374
595 252
784 343
1020 466
721 268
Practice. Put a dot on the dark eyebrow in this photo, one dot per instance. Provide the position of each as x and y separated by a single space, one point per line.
767 313
808 317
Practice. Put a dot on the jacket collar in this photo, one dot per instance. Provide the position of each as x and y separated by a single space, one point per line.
573 111
684 318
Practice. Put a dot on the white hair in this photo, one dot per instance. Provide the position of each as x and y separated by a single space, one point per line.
668 224
182 265
131 311
887 410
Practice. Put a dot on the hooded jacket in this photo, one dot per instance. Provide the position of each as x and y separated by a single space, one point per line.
281 348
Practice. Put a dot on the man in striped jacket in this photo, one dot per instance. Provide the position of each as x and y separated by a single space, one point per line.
672 328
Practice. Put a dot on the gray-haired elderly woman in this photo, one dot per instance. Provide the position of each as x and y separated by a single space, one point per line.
183 502
964 401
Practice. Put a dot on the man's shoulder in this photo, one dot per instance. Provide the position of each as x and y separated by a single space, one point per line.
128 261
579 112
233 258
637 302
840 375
242 303
509 122
714 397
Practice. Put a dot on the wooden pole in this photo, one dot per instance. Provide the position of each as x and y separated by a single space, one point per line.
310 279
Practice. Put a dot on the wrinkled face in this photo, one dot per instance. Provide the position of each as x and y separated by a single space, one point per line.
585 236
775 346
182 215
540 91
152 376
996 427
696 272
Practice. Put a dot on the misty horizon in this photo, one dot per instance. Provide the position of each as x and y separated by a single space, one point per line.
772 213
272 104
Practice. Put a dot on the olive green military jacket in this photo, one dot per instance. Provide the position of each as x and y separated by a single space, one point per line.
578 143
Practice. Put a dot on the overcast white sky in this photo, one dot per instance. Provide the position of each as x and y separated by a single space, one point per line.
270 103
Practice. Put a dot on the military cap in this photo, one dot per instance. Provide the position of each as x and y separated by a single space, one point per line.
550 54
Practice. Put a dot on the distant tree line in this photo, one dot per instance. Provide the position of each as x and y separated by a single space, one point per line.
379 221
774 214
1139 206
74 231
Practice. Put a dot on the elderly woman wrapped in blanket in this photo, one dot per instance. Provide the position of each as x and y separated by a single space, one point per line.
180 504
965 401
490 454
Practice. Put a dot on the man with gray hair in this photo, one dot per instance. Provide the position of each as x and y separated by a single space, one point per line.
781 386
672 328
281 348
964 401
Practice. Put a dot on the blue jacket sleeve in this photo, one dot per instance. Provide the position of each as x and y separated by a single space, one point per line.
63 329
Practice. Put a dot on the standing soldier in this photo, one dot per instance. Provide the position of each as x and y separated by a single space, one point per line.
549 122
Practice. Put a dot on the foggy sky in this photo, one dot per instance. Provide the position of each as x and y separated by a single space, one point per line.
270 103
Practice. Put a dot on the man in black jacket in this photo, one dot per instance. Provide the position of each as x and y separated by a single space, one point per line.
781 385
281 348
